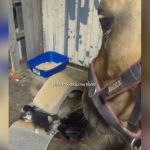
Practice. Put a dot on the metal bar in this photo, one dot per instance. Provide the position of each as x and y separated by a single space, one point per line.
13 45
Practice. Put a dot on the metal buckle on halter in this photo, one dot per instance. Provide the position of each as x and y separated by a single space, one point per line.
136 144
92 95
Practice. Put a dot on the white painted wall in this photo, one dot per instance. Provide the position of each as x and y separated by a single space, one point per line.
72 27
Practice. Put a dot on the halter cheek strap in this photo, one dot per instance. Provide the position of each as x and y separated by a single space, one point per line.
100 97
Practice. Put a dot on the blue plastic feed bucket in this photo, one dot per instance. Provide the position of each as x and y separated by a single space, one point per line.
51 57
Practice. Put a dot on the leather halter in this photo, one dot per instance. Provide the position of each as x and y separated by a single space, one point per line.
100 97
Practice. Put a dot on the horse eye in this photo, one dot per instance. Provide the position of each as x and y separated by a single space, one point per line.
106 23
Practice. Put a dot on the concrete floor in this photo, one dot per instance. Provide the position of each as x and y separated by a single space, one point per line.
23 92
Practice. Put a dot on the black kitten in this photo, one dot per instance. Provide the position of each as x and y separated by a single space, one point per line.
39 119
74 126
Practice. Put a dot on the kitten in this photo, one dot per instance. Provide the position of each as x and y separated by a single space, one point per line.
38 118
74 126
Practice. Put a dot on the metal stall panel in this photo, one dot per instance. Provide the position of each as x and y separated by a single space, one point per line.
72 27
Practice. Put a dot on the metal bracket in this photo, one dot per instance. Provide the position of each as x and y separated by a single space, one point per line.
136 144
92 95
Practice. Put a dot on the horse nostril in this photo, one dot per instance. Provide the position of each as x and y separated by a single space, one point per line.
106 23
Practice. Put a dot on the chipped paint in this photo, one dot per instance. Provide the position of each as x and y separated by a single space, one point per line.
72 27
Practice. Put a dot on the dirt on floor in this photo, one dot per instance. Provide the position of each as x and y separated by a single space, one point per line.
22 92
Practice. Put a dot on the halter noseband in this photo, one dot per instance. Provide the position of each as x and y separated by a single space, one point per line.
100 97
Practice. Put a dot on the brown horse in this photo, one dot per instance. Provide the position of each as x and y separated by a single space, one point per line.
121 47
